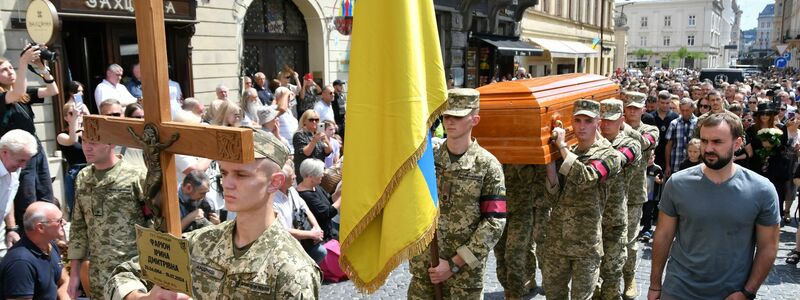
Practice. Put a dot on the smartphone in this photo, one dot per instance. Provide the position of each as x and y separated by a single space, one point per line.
78 98
790 115
321 127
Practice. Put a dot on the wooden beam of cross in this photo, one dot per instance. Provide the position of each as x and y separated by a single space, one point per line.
213 142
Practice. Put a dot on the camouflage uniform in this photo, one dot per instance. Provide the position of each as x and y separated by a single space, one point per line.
542 203
107 205
516 250
275 266
472 211
615 213
573 248
636 191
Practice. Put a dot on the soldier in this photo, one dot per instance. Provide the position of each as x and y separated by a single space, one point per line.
573 248
257 261
615 213
636 190
472 207
516 250
108 202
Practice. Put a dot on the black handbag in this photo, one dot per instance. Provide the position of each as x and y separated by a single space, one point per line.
299 217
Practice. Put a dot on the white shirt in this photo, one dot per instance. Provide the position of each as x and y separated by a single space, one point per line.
325 111
9 183
287 121
175 96
182 162
283 206
335 153
106 90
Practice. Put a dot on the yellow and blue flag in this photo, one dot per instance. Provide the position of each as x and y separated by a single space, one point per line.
396 90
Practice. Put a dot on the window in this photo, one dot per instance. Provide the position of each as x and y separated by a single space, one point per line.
666 40
643 41
545 6
644 22
692 20
690 40
667 21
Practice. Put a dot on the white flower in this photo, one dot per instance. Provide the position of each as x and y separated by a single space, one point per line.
770 131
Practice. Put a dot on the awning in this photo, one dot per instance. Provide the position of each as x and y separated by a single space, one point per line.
565 48
511 47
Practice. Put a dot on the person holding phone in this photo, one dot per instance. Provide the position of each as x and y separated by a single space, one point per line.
16 112
69 142
310 141
75 92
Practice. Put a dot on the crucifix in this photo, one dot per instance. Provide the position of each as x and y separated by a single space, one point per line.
160 138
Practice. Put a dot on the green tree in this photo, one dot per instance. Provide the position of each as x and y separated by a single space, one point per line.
642 53
682 54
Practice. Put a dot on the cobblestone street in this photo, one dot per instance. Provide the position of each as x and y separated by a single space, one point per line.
783 281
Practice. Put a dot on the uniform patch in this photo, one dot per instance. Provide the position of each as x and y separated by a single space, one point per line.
627 153
493 206
256 287
204 269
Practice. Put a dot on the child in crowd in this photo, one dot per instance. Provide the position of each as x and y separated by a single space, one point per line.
655 175
693 153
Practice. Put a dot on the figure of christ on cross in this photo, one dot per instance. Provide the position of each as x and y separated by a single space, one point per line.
213 142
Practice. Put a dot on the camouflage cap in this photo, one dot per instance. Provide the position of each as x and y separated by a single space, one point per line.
611 109
586 107
635 99
460 102
266 145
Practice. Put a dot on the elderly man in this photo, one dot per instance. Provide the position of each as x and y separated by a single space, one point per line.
196 213
32 268
16 148
111 88
250 104
222 96
276 264
260 85
192 105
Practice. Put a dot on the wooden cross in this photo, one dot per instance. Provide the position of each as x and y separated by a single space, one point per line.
213 142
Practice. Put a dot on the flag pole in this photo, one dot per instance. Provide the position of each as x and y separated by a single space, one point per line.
437 288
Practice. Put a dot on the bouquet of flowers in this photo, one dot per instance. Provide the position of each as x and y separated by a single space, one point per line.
770 139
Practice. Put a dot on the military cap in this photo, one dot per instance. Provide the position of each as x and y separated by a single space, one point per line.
586 107
266 145
635 99
460 102
611 109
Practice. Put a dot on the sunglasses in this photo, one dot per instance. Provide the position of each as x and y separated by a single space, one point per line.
313 120
114 114
705 106
783 108
748 120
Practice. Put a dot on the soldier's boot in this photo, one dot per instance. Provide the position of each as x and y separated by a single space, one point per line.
630 287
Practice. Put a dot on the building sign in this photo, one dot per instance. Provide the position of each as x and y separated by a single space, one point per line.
41 21
173 9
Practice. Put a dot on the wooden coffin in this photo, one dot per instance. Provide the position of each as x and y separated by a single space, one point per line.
516 116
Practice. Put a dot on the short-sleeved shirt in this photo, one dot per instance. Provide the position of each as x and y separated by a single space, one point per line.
18 115
28 272
652 172
714 245
679 132
284 204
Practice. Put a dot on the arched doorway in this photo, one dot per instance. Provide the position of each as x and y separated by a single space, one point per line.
275 36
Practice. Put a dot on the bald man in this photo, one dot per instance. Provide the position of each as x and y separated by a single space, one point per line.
32 269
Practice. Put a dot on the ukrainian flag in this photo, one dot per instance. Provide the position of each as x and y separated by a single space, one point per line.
397 89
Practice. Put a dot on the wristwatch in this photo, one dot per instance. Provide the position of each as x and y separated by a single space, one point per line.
747 293
454 267
12 229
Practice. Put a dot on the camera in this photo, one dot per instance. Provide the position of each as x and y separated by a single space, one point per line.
44 53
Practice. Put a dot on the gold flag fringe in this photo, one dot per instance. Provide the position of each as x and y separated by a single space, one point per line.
414 248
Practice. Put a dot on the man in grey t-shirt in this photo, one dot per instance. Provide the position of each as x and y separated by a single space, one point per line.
719 214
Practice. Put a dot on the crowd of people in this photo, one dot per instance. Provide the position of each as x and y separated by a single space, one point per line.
720 157
105 184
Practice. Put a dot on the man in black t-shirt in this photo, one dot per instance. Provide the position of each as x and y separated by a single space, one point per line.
662 116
